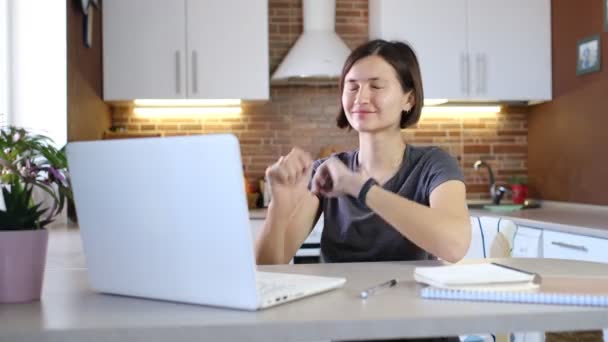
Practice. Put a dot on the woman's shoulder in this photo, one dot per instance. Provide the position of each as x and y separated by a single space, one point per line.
432 158
429 152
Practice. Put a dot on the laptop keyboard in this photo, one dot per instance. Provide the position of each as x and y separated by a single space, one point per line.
274 288
277 283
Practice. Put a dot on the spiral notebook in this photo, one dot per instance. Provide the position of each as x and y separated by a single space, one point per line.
560 290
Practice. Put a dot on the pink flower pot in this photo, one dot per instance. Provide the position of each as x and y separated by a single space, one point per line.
22 261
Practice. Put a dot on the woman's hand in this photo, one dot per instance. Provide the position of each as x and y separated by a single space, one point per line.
289 177
334 179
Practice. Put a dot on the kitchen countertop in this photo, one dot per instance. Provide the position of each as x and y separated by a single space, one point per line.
584 219
258 214
591 220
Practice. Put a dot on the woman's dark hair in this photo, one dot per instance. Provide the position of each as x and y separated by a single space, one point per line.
403 59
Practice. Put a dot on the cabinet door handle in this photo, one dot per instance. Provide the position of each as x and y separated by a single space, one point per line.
178 72
484 70
478 73
194 72
463 73
467 73
570 246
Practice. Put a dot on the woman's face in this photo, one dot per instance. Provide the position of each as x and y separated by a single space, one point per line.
372 97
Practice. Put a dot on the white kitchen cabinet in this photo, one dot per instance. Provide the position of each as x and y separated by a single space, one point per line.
144 53
510 49
484 230
489 227
536 336
473 50
228 48
527 243
185 49
476 248
560 245
436 30
491 237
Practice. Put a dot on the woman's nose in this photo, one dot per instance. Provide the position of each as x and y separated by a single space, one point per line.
362 95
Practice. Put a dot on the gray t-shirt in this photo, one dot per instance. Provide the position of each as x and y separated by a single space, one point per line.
352 232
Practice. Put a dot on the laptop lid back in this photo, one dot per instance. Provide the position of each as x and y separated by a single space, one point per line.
165 218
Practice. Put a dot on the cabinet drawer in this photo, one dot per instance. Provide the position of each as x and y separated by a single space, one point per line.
575 247
527 243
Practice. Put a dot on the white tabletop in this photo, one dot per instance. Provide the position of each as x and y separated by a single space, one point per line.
70 311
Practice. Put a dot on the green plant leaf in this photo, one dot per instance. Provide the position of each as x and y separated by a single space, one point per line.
26 161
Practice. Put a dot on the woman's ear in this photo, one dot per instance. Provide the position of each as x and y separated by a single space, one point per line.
409 101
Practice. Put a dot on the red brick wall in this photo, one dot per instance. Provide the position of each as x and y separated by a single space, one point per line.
305 115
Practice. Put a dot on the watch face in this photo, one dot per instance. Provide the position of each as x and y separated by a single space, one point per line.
85 6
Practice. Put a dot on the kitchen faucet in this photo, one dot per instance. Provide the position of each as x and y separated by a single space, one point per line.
496 192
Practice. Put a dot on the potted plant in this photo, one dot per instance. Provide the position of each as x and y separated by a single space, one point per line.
519 188
29 163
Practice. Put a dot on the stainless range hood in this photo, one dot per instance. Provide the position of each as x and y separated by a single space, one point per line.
318 52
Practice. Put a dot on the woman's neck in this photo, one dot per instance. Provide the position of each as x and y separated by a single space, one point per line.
380 154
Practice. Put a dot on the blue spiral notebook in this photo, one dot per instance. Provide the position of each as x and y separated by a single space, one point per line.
516 297
558 290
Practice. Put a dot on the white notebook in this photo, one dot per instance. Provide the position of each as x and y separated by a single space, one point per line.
479 277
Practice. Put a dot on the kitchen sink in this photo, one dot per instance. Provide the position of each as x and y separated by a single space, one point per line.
496 207
506 207
477 205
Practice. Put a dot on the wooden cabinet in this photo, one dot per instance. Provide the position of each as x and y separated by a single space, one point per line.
185 49
473 50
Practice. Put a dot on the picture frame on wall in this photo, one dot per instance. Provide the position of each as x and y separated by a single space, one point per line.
588 51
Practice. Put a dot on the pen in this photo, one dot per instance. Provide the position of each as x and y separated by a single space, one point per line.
370 291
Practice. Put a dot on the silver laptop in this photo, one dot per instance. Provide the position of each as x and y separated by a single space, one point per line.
167 218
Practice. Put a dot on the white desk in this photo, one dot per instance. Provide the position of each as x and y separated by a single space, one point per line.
70 311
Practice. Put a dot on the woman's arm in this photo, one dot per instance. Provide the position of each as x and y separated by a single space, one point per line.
285 229
292 212
443 229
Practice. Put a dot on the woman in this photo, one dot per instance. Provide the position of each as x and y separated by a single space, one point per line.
385 201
